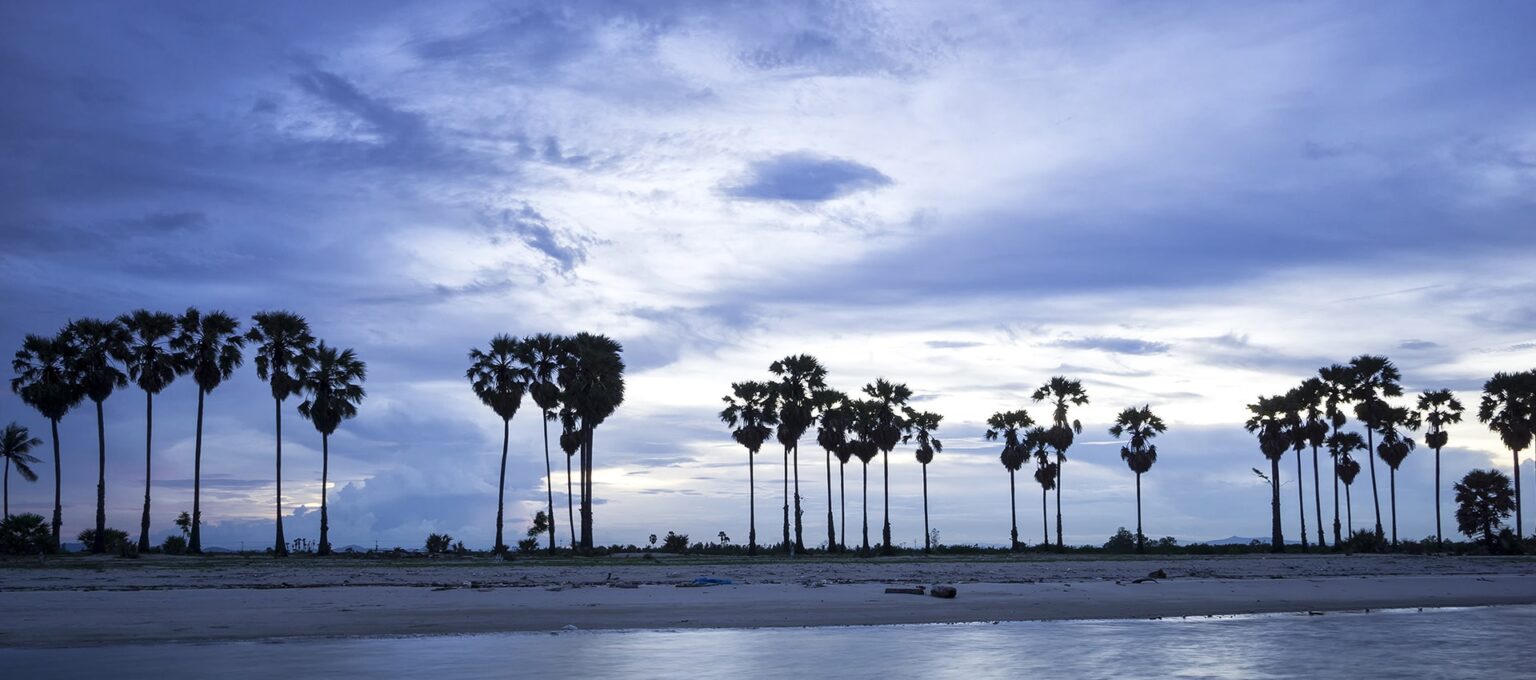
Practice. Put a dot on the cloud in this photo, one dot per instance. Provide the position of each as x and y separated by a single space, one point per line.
1114 345
805 177
951 344
1418 344
533 229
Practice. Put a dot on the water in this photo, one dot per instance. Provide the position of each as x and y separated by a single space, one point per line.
1481 642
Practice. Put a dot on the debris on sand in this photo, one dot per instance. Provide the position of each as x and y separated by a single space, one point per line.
918 590
946 592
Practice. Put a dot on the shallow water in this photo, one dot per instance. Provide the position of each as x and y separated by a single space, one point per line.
1478 642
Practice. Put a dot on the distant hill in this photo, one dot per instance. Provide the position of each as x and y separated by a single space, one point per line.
1243 540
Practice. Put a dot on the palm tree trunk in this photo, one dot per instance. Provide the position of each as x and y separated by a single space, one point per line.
1301 499
325 479
865 551
195 539
58 507
1519 524
786 545
7 489
1059 466
885 533
500 548
149 429
1439 537
1276 538
586 493
99 544
1338 540
1349 509
281 547
1370 453
1045 518
570 501
1392 485
549 483
751 504
1013 514
799 529
1317 499
842 499
927 546
1141 539
831 524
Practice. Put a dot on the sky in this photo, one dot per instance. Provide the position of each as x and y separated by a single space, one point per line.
1184 205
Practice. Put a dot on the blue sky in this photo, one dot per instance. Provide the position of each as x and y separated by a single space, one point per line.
1184 205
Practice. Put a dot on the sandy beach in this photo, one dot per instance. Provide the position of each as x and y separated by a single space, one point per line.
90 601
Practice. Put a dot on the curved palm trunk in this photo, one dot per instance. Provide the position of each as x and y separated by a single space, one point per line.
195 539
549 484
751 504
325 485
1317 498
149 429
842 499
281 548
1059 466
885 533
1301 500
1276 538
570 501
99 542
831 525
865 550
786 545
58 507
1141 539
1439 537
799 529
1392 486
1370 453
926 533
500 548
1013 515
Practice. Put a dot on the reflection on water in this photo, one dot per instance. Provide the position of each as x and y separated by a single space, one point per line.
1484 642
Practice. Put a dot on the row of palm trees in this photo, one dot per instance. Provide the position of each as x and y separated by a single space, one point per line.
1314 413
94 358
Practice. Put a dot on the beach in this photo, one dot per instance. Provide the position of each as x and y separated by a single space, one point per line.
82 601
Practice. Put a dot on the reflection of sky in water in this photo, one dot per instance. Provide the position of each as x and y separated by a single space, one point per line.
1444 643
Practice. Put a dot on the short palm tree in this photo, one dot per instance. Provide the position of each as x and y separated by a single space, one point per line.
45 382
1344 445
1508 408
1375 377
1312 400
500 379
16 445
100 345
1062 393
832 435
1338 385
1140 425
890 428
923 425
1438 408
864 423
592 386
1270 422
799 378
541 354
1006 425
749 409
333 381
213 348
282 342
1394 448
1483 501
152 365
1045 476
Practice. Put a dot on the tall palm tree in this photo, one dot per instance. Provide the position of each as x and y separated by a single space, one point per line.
1269 422
541 354
865 425
152 365
16 445
1062 393
832 435
592 386
1508 408
1338 386
890 428
1312 400
1139 453
1045 476
499 378
800 377
100 345
282 342
923 425
1394 448
1296 434
213 348
1344 445
749 408
45 382
1375 377
334 382
1438 408
1006 425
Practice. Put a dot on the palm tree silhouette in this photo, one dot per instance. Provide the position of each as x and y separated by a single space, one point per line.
16 445
800 377
1374 377
212 348
1312 399
1297 434
1438 408
1483 501
832 435
1508 408
541 354
1063 393
890 429
45 382
1270 421
1139 453
923 424
282 342
864 424
333 380
499 379
1045 476
1343 445
570 443
101 345
1394 448
1006 425
1338 385
592 386
749 408
152 365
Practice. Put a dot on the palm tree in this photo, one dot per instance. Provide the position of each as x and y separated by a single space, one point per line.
1343 445
16 445
890 428
1508 408
864 424
1063 393
282 353
923 425
1312 398
100 345
1374 377
212 347
333 380
832 435
45 382
1338 385
1297 435
1006 424
499 379
1394 448
749 409
1045 476
800 377
1483 501
1270 422
541 354
592 386
1438 408
152 365
570 443
1139 453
